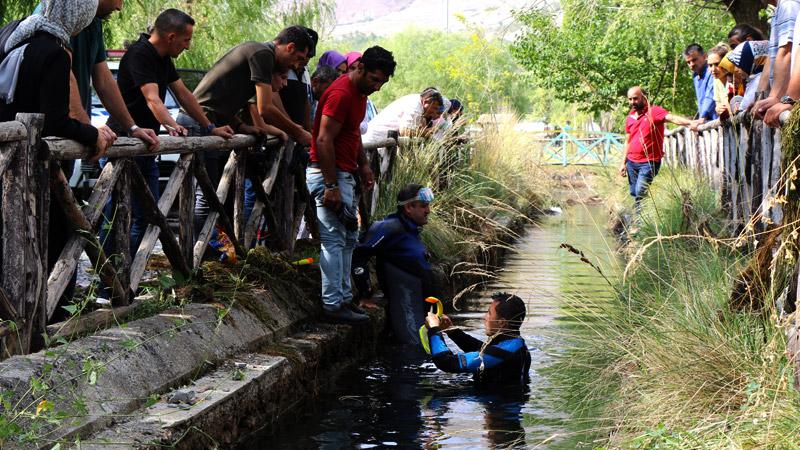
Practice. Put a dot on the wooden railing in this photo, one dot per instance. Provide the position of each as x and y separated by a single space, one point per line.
32 179
741 158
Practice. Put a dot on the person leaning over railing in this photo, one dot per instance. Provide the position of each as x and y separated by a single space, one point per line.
337 158
773 115
703 81
723 81
746 62
36 52
772 86
145 73
644 148
242 73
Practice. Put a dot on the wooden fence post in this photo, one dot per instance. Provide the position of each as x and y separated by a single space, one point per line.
24 272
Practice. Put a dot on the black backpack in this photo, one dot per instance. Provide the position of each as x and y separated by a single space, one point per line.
5 33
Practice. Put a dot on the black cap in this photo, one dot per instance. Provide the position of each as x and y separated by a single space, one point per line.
510 308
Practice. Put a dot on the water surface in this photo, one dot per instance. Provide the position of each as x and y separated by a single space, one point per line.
401 401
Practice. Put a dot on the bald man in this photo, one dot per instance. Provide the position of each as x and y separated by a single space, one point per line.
645 144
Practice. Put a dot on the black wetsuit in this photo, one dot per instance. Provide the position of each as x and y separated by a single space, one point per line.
504 360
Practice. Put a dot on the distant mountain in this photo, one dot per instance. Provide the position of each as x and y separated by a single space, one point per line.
386 17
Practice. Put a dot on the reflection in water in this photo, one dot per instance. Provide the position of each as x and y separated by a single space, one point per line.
401 400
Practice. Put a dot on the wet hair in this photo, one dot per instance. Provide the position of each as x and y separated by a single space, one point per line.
296 35
743 31
406 193
693 47
314 40
511 308
325 74
720 49
432 94
378 58
172 21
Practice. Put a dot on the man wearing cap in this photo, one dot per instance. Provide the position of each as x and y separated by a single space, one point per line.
403 268
503 360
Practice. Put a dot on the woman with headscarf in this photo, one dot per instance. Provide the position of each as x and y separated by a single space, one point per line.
352 59
334 59
746 62
34 76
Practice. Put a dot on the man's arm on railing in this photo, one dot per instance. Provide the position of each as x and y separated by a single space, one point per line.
108 91
773 116
189 103
258 122
278 117
780 81
683 121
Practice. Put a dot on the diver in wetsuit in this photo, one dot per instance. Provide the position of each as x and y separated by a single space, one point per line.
404 271
503 360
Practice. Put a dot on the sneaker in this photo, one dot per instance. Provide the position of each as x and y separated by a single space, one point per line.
345 315
353 307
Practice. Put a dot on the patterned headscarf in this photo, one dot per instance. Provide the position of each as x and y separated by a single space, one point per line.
352 57
61 18
750 56
331 58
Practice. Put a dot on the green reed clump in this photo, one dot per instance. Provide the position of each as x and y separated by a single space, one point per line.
481 186
669 363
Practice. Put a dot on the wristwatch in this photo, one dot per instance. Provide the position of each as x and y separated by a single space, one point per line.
133 129
786 100
211 127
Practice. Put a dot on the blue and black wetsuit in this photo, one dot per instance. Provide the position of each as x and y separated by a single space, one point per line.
404 272
504 360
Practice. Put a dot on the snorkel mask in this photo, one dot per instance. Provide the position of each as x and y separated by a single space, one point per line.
424 195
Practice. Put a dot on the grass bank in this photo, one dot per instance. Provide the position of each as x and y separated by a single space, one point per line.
669 363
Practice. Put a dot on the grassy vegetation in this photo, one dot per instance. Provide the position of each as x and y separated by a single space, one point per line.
670 364
480 188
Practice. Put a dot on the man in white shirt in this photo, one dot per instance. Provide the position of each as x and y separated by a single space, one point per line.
407 115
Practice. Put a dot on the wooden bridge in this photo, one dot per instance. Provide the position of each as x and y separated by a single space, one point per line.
31 180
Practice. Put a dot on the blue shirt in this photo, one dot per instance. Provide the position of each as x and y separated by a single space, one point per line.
704 91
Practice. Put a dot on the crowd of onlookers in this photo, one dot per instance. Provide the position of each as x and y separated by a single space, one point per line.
750 72
50 60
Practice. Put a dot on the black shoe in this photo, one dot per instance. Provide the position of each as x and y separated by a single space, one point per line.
353 307
345 315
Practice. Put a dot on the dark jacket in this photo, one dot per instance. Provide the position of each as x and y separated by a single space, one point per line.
43 87
395 240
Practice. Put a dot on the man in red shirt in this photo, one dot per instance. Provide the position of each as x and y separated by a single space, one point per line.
645 145
337 157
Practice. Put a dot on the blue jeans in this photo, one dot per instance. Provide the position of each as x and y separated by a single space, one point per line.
640 175
337 242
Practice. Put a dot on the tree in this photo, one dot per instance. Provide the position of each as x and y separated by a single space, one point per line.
603 47
743 11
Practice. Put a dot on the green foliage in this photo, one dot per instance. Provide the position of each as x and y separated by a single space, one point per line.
603 47
16 9
670 364
470 66
220 25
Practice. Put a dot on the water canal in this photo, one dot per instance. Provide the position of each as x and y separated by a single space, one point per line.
396 402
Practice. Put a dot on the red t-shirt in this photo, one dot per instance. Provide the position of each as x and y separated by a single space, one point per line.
646 135
343 103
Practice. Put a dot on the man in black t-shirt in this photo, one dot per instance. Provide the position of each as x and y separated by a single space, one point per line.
145 72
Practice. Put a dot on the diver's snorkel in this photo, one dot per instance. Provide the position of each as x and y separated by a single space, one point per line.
423 330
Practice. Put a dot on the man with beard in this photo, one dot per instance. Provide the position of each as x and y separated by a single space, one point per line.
337 158
645 144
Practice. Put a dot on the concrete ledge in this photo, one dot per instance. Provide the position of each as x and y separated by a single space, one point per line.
227 409
98 379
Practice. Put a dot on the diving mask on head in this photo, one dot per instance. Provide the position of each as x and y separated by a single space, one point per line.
424 195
